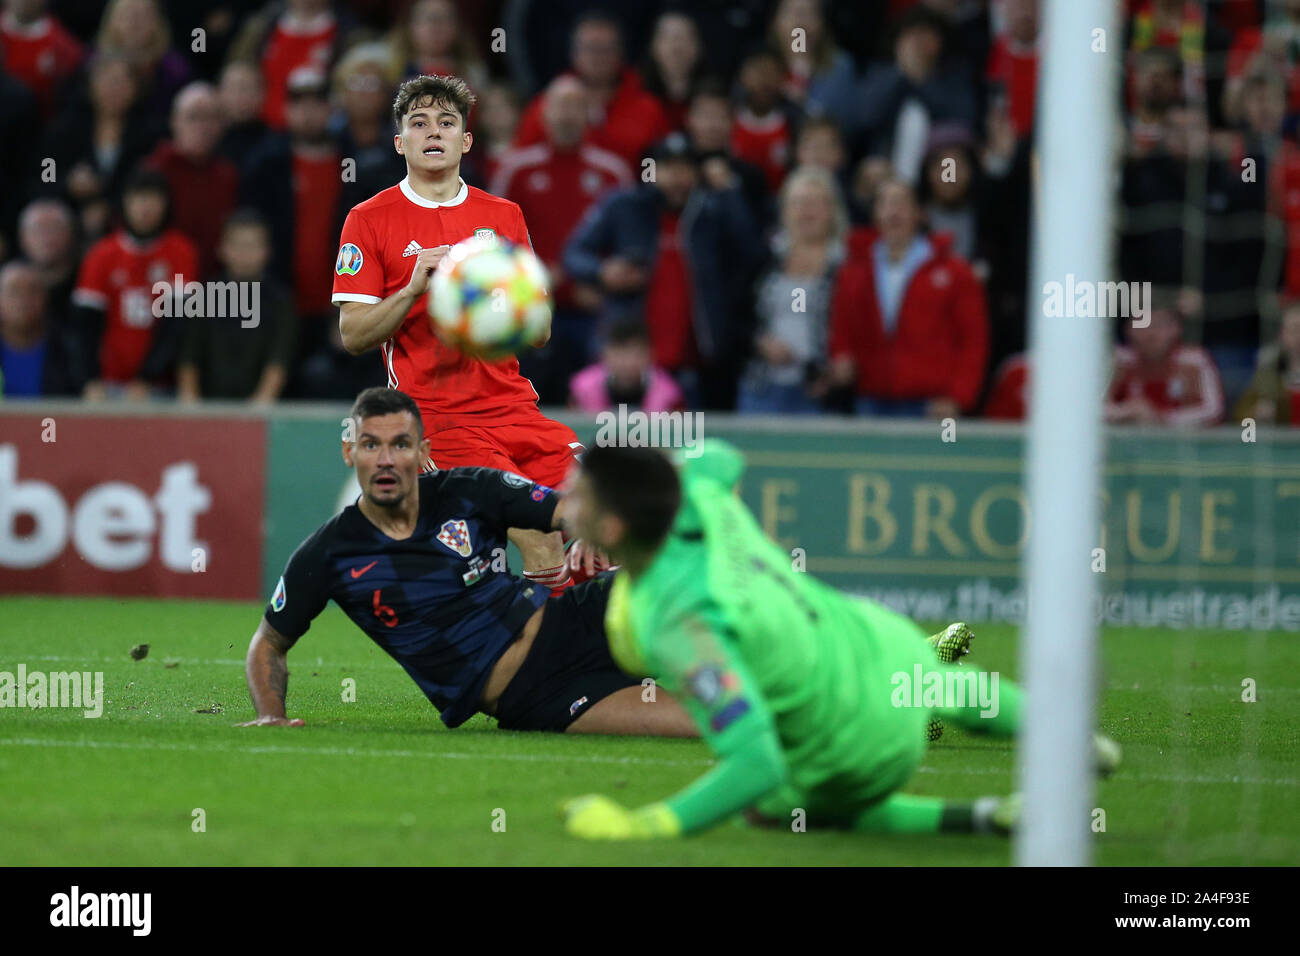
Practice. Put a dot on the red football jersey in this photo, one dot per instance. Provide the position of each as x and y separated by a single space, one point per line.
555 188
1017 70
763 141
381 238
40 54
118 276
1186 389
294 42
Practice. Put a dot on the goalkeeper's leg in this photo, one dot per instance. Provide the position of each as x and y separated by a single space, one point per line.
988 704
909 813
999 712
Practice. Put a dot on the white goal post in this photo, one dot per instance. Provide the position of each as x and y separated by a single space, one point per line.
1081 61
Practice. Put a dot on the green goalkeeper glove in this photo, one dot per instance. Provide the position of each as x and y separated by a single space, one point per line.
594 817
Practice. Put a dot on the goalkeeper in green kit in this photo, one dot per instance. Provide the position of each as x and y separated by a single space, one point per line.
802 692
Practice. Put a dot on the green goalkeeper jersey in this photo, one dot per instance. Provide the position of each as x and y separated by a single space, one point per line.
789 680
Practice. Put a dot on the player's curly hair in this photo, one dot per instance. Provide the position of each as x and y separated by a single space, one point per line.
430 91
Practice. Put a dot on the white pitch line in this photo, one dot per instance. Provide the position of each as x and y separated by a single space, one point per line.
348 752
565 758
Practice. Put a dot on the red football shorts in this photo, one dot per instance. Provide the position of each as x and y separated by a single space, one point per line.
540 449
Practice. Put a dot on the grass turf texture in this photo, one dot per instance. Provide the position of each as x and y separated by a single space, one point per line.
1207 778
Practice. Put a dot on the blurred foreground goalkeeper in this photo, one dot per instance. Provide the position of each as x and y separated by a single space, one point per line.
794 685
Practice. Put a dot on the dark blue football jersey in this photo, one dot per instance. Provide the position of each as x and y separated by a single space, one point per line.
442 602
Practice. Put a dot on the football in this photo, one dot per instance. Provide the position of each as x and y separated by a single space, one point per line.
489 298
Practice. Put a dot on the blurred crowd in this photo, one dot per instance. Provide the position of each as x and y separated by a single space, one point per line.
770 206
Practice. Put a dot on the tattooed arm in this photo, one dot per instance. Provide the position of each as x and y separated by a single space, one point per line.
266 668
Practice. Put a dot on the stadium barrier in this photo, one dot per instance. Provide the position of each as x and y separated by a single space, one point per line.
1200 529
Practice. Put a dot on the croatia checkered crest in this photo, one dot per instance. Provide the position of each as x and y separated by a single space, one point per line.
489 298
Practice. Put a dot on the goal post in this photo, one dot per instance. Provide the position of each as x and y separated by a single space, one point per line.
1081 62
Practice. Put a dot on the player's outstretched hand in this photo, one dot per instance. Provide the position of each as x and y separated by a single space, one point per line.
595 817
586 558
272 722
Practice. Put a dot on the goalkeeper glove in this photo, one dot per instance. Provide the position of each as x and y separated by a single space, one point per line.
594 817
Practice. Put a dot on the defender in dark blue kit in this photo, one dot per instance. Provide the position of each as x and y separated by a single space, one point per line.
417 564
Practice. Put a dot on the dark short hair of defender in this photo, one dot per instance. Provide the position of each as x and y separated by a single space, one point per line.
433 91
386 401
639 485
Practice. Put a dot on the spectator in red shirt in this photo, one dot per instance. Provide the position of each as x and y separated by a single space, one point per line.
37 49
765 120
623 117
555 182
674 65
125 347
1273 396
296 183
138 31
283 37
1159 380
204 185
909 325
1009 395
1013 63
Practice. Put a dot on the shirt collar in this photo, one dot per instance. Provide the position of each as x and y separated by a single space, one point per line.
411 194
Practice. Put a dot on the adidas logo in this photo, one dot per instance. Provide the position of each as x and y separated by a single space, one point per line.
412 249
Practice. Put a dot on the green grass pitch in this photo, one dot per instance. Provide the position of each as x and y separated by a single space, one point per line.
1207 778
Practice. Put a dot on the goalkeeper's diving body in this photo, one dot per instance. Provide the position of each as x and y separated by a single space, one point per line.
794 685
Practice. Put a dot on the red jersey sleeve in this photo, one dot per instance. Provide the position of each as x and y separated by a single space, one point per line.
518 233
359 268
92 281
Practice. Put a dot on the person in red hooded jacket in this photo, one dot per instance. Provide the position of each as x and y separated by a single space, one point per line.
909 323
622 117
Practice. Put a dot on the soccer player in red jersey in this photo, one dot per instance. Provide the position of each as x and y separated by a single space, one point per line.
475 412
